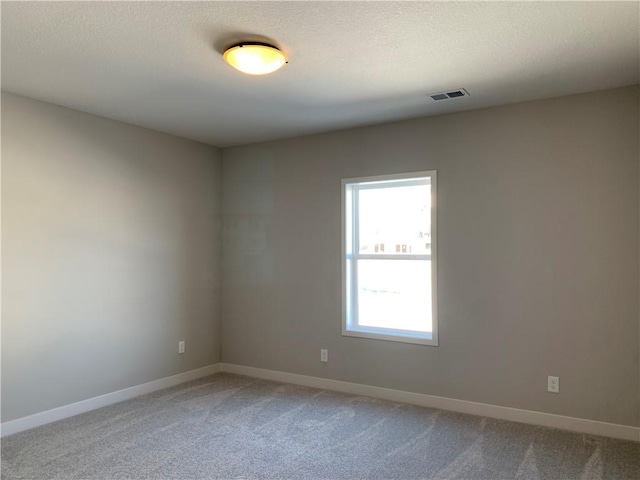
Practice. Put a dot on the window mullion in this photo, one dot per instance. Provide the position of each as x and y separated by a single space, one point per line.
378 256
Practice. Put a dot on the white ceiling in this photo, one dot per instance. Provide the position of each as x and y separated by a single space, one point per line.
159 64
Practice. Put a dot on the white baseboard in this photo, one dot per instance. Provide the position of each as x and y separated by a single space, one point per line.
42 418
580 425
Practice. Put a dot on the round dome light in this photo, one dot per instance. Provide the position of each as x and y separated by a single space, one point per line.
255 58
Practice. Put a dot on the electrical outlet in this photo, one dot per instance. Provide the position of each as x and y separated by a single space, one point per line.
553 384
181 346
324 355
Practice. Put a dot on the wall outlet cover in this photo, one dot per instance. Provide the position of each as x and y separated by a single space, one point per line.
324 355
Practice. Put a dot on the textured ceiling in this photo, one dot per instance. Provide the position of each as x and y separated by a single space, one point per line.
159 64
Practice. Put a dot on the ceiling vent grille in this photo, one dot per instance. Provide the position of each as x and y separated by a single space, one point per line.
460 92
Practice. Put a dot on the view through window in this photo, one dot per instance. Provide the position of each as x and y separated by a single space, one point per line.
389 248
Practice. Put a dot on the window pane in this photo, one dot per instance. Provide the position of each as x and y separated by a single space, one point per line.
395 220
395 294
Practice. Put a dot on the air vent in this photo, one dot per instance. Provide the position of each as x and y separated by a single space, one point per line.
461 92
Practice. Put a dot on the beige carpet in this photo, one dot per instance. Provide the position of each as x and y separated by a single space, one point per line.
233 427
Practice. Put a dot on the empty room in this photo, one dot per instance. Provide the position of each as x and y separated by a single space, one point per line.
320 240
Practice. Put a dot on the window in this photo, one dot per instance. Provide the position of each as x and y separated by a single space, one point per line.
389 258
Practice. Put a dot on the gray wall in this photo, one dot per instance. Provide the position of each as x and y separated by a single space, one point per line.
538 255
110 255
111 247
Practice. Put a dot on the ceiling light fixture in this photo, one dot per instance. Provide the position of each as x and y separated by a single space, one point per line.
255 58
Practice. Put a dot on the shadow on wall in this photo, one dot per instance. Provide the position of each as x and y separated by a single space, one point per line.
248 220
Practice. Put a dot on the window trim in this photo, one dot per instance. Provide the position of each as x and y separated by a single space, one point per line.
348 245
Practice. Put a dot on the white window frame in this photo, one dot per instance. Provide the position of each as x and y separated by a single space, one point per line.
350 255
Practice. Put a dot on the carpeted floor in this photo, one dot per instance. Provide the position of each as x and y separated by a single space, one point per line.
233 427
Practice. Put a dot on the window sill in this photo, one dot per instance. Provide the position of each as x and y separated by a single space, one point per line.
403 338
